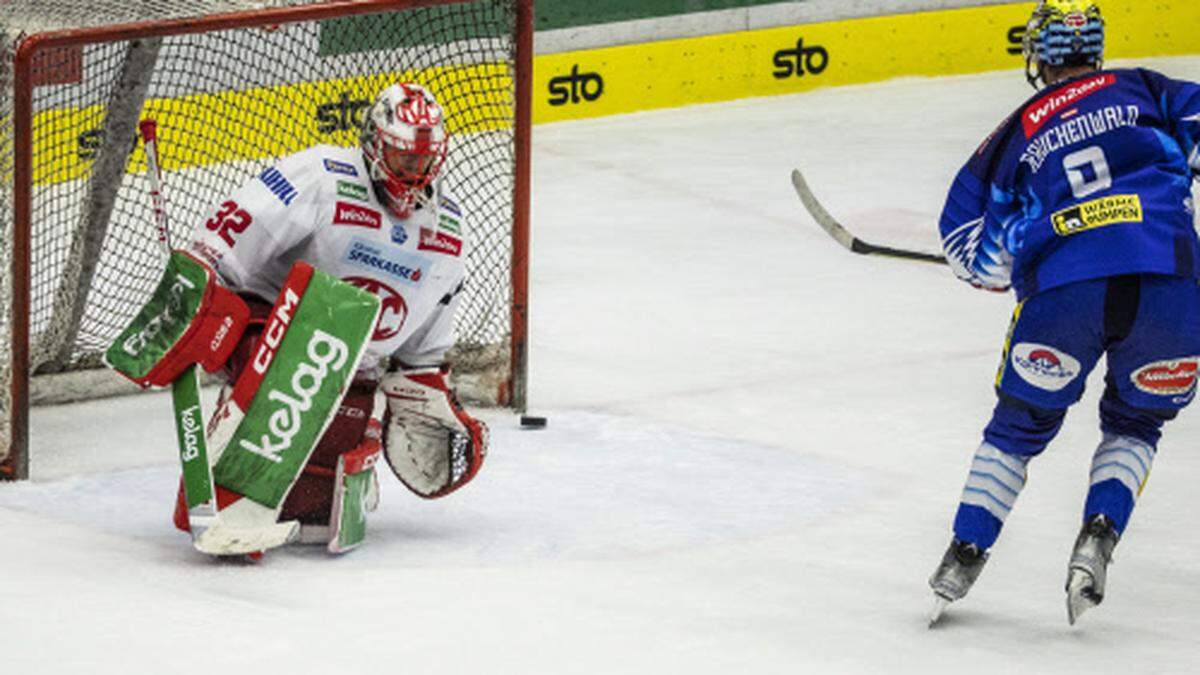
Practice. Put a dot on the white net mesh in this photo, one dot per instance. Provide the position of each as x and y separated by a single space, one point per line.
40 16
229 102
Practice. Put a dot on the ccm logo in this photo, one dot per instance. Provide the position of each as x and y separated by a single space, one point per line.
276 327
576 87
345 213
801 60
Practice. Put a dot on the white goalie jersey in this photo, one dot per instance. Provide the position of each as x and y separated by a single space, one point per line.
318 206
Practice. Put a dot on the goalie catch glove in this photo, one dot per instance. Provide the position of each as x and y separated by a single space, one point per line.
433 446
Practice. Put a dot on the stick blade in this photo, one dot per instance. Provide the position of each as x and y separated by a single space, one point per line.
842 236
819 214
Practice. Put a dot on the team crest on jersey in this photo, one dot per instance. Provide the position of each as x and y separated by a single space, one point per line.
399 234
393 310
334 166
403 267
1167 378
1044 367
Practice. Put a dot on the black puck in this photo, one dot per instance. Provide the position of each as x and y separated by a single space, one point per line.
532 422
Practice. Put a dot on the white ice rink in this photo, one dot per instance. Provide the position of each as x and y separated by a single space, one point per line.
756 444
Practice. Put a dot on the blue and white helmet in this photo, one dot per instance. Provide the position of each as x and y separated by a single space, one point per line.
1063 33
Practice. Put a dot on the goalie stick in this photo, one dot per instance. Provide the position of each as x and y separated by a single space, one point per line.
843 236
198 487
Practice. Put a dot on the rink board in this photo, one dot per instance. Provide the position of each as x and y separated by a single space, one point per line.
800 58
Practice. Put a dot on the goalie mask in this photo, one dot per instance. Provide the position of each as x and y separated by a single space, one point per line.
1062 33
404 144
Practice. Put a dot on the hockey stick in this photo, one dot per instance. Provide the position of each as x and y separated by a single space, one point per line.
843 236
198 488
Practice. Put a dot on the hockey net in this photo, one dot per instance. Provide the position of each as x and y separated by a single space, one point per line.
234 85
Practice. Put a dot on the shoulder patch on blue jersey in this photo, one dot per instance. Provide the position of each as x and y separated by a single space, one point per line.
1097 213
279 185
344 168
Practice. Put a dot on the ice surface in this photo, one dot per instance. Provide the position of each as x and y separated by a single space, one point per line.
756 442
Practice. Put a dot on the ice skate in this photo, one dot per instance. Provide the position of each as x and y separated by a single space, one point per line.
959 569
1089 563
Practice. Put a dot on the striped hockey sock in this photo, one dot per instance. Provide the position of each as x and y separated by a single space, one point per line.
1120 468
995 480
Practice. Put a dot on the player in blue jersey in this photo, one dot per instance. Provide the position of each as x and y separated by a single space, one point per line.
1081 203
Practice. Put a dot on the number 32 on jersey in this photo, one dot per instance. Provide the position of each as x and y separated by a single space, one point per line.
229 220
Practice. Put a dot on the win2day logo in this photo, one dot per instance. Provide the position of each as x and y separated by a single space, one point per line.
575 87
800 60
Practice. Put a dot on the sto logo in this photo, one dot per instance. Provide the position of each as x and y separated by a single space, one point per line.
392 311
1044 367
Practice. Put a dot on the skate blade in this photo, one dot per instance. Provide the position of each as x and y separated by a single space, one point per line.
1079 595
935 613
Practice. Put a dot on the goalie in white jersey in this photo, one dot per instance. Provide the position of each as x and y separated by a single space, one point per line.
378 218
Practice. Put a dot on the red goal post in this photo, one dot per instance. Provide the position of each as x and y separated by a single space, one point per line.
233 91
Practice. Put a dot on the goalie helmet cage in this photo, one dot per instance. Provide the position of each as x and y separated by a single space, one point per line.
234 85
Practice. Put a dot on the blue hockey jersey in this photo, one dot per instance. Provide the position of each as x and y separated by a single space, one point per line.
1089 178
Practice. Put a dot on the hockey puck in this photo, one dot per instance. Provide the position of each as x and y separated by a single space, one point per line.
533 422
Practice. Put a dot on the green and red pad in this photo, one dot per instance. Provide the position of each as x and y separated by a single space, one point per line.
354 491
280 406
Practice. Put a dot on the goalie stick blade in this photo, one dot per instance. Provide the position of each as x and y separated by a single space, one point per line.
224 539
244 526
843 236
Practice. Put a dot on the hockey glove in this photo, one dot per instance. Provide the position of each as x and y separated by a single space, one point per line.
189 319
978 256
433 446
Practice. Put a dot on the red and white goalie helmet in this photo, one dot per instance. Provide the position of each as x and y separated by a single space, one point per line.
404 142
